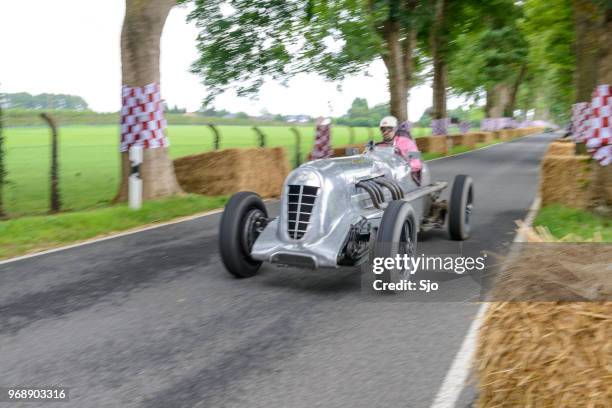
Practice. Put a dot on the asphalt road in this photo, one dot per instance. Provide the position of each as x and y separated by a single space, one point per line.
153 320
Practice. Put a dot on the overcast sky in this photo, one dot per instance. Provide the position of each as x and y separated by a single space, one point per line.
72 46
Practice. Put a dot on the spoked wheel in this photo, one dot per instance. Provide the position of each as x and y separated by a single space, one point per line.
460 208
396 236
244 218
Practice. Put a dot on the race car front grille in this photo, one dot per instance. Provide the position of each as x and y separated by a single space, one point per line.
301 201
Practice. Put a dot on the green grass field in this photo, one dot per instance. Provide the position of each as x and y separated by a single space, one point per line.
89 159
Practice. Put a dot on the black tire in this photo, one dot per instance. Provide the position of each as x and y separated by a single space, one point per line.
460 208
397 234
237 233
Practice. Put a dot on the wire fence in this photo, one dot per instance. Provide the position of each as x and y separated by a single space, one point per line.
89 160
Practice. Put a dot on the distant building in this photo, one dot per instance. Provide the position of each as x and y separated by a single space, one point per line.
299 118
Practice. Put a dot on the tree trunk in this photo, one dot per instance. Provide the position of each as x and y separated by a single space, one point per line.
514 92
489 102
605 61
501 97
437 42
586 24
398 98
140 49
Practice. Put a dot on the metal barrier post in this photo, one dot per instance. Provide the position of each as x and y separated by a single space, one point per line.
55 194
298 146
261 136
217 136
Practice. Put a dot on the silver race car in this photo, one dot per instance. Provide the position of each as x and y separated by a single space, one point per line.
341 212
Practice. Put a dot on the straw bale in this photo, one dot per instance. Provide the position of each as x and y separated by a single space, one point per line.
468 140
341 151
545 354
566 180
484 137
224 172
432 144
561 149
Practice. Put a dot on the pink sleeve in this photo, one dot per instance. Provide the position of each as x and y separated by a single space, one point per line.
406 145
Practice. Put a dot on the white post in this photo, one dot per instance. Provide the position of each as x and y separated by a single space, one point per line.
135 182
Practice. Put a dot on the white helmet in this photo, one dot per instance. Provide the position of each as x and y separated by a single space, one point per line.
388 121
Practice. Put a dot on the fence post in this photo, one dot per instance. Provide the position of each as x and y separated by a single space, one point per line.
298 146
261 136
351 135
216 137
55 194
2 170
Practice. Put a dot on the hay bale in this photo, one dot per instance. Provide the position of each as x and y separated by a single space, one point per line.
341 151
468 140
548 353
432 144
557 148
566 180
224 172
484 137
545 354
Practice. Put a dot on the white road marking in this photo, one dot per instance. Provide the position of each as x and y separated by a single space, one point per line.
455 378
114 235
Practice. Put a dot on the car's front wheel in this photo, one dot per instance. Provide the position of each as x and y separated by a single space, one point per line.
244 217
397 235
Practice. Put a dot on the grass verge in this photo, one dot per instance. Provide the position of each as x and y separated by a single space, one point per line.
28 234
562 221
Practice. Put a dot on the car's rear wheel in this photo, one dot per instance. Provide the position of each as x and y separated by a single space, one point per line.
397 235
460 208
244 217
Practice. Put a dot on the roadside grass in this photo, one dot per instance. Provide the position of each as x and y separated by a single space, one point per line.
562 221
89 159
27 234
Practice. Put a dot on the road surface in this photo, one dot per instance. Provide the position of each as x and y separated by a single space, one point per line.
153 320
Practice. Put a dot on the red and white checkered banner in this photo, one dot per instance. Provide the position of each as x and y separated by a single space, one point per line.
440 126
322 147
599 134
142 117
580 121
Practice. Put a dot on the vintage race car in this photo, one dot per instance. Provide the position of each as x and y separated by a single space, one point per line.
341 212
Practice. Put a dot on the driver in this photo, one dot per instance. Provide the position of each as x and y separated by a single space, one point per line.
400 139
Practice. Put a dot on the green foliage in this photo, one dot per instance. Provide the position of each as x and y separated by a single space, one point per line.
24 100
241 42
549 31
486 58
359 114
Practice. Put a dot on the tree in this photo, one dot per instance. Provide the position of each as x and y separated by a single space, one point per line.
140 43
549 32
262 39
